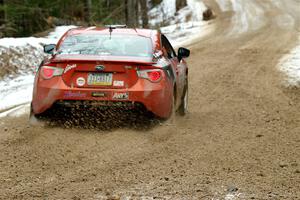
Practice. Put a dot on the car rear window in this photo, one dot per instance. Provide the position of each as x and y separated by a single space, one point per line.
100 44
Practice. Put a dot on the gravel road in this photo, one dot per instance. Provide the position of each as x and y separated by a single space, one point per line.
240 140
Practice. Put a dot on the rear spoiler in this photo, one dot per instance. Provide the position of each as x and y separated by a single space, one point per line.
91 58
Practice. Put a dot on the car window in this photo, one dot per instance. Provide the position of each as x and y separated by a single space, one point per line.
102 44
167 47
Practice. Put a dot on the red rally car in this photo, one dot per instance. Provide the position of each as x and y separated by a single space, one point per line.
111 65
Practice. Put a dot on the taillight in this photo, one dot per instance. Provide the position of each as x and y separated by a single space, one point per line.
49 72
153 75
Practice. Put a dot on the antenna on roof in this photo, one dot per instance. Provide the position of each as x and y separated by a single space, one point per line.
112 27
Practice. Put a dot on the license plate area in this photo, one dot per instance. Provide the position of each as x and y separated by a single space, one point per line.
100 79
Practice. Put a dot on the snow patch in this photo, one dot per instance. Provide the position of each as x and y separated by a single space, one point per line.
197 8
53 37
189 32
21 55
290 64
165 13
58 33
18 59
162 13
16 91
16 111
185 25
248 16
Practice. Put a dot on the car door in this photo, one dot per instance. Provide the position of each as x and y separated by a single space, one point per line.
178 67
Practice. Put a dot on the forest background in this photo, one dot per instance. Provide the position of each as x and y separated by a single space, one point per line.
19 18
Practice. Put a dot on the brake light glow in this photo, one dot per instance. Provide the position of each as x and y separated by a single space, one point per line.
153 75
48 72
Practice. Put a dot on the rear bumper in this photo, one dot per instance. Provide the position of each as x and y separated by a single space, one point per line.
156 97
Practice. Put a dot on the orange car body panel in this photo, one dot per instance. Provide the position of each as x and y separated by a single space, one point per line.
155 96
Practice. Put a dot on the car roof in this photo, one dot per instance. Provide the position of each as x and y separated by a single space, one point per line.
106 30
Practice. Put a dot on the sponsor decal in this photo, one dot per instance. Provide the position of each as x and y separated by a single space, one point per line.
80 81
128 67
99 67
74 94
118 83
98 94
121 95
69 67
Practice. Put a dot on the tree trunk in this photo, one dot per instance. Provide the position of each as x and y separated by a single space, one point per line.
180 4
88 11
144 10
131 12
2 13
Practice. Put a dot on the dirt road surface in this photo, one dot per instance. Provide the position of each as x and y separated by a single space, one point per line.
240 140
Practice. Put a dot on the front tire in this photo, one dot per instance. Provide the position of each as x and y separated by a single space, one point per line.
171 120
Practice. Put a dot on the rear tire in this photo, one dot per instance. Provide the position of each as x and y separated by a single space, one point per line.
183 108
33 119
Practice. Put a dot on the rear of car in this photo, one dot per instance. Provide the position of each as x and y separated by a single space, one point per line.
105 67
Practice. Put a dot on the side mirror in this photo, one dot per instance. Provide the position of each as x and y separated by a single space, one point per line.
183 53
49 48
